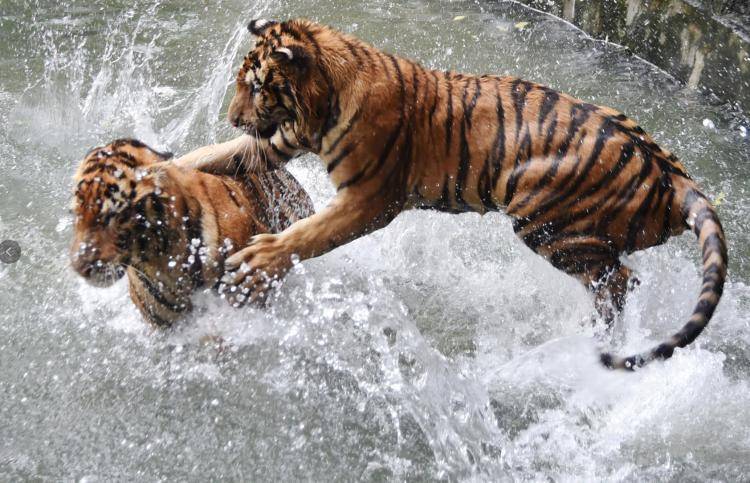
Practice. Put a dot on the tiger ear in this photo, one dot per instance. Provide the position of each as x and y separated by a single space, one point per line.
282 54
260 25
294 55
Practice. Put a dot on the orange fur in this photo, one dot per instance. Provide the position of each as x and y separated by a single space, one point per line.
583 183
168 228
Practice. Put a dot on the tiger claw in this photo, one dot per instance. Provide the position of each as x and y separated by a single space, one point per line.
234 278
236 261
250 273
263 237
242 289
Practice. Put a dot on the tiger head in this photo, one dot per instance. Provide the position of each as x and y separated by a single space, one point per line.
115 188
280 80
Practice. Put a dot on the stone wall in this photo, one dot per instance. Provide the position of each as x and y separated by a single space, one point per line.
704 43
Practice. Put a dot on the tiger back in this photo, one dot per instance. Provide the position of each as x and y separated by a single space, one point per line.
583 184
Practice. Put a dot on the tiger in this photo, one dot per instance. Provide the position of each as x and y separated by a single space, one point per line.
167 228
583 184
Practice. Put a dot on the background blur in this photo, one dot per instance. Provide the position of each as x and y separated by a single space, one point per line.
439 347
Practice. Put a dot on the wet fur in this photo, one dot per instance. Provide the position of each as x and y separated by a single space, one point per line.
582 183
169 228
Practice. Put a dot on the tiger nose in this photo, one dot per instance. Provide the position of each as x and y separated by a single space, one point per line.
235 120
85 265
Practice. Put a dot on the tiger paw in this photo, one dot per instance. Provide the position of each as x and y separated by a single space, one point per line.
253 271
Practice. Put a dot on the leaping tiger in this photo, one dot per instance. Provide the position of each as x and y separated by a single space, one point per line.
582 183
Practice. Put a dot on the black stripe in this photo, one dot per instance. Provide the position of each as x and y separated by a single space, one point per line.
484 186
150 314
352 121
355 53
93 166
469 110
626 155
286 28
581 258
397 177
444 203
498 149
518 91
635 224
687 203
705 308
464 151
692 330
449 114
553 231
127 141
194 230
712 274
391 138
627 192
556 228
277 37
326 77
158 296
714 243
415 83
278 152
521 163
340 157
548 104
604 134
351 181
579 114
637 138
704 214
331 118
463 164
570 180
435 98
159 230
550 136
666 223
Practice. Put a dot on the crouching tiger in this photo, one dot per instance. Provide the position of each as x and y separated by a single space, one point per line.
582 183
170 229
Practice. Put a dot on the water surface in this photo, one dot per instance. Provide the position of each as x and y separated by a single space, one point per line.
439 347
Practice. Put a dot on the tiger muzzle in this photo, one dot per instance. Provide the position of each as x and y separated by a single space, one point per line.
98 268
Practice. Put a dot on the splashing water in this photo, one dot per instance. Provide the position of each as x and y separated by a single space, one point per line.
439 347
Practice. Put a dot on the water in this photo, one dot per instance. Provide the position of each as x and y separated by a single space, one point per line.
439 347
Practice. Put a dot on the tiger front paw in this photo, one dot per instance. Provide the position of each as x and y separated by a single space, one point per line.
251 272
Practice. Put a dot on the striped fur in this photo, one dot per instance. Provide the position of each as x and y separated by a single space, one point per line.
168 228
582 183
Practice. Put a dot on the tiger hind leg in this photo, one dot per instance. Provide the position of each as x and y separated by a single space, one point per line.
609 284
592 259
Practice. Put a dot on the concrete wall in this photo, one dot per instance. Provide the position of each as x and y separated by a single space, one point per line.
704 43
